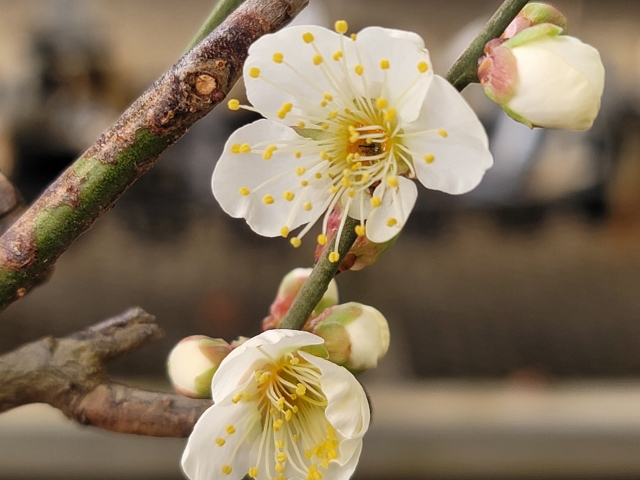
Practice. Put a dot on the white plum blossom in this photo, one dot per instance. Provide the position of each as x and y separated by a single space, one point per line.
349 121
279 413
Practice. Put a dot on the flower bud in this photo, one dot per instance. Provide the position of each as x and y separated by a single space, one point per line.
355 335
363 253
287 291
544 79
534 14
192 363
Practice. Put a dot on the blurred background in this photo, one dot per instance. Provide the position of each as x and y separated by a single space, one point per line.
514 310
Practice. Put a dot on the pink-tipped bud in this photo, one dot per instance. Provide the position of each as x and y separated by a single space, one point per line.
192 363
544 79
287 292
363 252
355 335
535 14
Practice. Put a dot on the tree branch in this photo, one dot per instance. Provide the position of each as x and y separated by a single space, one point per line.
184 94
70 374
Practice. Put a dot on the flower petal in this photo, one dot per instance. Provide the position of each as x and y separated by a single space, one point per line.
405 85
204 458
245 359
386 221
273 177
297 79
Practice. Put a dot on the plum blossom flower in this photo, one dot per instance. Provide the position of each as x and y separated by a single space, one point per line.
280 412
349 121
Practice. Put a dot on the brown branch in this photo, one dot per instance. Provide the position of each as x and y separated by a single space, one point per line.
185 93
69 374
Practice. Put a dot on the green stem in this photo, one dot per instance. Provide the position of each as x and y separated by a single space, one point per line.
465 70
221 11
313 289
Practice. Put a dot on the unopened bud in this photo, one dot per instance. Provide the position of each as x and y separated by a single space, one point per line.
535 14
544 79
287 292
355 335
192 363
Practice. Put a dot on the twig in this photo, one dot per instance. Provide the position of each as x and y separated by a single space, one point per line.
70 374
465 70
183 95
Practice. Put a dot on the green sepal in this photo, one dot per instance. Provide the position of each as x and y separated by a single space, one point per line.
533 33
313 133
316 350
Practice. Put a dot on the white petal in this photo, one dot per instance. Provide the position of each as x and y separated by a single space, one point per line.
203 459
250 170
360 206
244 360
347 409
404 51
445 108
397 204
304 85
338 471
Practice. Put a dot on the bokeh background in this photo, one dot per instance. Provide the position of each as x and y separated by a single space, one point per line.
514 310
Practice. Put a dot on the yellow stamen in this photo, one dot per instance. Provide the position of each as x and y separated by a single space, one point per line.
278 57
322 239
423 67
268 199
307 37
429 158
226 469
268 153
317 59
375 201
253 472
390 114
220 441
233 104
384 64
235 148
353 37
338 55
245 148
392 181
244 191
231 429
381 103
254 72
334 257
301 389
443 133
359 69
391 222
284 231
341 26
296 242
288 195
307 206
327 96
300 171
297 154
360 231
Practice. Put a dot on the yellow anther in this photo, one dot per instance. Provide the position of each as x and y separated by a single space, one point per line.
325 126
277 425
392 181
334 257
322 239
294 361
284 231
282 114
244 191
443 133
365 177
226 469
333 190
318 175
323 155
390 114
230 429
293 397
323 103
288 414
301 124
384 64
297 154
347 110
356 166
220 441
279 468
423 66
391 222
245 148
338 55
301 389
288 195
287 106
295 407
280 403
296 242
359 69
278 57
233 104
352 193
281 457
235 148
330 175
345 182
308 454
325 465
307 206
360 231
429 158
247 397
264 377
300 171
333 114
253 472
381 103
273 411
317 59
296 437
280 444
237 397
254 72
341 26
353 37
375 201
307 37
268 153
304 183
327 96
354 137
268 199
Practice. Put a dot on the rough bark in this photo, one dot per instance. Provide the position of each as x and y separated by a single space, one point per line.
70 374
184 94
